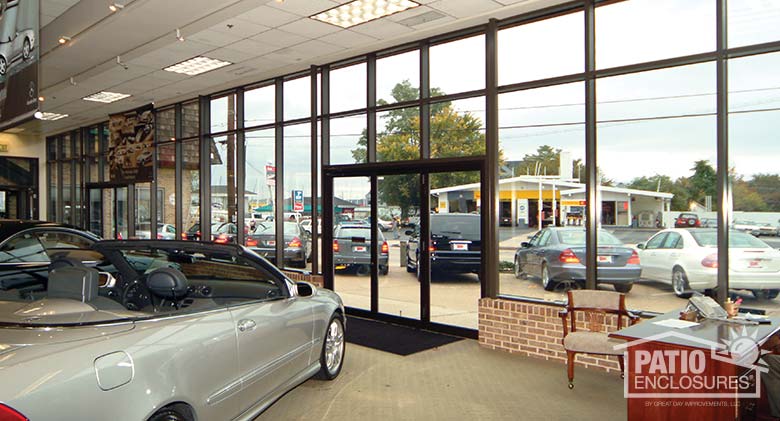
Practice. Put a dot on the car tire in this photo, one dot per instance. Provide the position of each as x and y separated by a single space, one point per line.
363 270
623 288
170 413
26 49
384 269
680 283
519 274
333 349
547 283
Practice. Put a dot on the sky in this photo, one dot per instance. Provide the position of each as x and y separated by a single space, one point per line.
657 122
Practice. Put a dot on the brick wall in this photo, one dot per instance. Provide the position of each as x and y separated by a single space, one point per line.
535 330
317 280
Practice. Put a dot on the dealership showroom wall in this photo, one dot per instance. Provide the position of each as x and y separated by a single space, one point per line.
452 169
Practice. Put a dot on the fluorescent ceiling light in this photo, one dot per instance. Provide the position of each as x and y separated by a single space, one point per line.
197 65
105 97
50 116
361 11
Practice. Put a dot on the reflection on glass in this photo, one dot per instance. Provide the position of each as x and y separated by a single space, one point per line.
753 22
260 106
260 170
352 240
470 74
455 247
398 135
348 88
628 32
121 213
755 180
542 144
297 98
396 72
143 211
96 212
67 185
224 201
190 200
458 128
348 140
297 184
51 210
166 187
223 113
528 52
666 117
190 119
166 124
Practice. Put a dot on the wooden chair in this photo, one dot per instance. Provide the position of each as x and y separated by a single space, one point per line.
595 306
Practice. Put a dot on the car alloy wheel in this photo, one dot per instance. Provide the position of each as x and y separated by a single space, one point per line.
332 357
680 283
547 283
26 49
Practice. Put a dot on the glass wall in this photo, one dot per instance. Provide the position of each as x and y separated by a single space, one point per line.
655 143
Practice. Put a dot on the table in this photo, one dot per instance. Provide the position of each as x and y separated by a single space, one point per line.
674 373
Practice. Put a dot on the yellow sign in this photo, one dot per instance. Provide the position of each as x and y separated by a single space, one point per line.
573 202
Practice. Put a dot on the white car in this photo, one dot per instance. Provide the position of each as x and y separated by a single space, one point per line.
15 43
688 260
746 226
164 232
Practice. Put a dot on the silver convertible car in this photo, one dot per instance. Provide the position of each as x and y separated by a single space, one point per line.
161 330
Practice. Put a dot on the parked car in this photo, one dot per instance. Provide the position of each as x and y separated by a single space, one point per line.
709 223
455 244
749 227
165 344
555 255
766 229
164 232
224 233
306 224
688 260
352 249
192 234
687 220
297 250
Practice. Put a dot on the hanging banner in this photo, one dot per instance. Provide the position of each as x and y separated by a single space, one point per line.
19 55
130 146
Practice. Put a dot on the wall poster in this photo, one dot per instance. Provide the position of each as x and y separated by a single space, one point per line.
131 146
19 55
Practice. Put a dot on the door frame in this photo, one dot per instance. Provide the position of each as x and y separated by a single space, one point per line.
130 205
423 168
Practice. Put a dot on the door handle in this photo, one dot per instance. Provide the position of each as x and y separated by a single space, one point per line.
246 325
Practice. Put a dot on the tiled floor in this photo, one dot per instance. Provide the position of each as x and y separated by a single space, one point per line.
460 381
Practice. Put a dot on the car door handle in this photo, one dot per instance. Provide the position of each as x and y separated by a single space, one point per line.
246 325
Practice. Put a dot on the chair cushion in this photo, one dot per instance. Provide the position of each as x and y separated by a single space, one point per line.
587 298
592 342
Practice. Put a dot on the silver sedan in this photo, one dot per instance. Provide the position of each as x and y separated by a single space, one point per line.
162 330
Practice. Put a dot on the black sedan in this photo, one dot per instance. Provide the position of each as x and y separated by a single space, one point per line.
455 244
27 248
556 256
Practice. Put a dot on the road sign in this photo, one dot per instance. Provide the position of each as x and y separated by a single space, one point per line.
297 200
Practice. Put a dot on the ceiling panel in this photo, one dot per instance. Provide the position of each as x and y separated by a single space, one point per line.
348 39
268 16
279 38
303 7
310 28
464 8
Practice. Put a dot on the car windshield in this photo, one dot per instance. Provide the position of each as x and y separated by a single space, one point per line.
290 228
460 226
737 239
137 280
577 238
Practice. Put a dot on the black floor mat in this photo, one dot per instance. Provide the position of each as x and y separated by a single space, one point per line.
398 340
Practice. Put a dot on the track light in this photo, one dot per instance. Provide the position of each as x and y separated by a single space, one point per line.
72 81
178 35
63 40
119 62
115 7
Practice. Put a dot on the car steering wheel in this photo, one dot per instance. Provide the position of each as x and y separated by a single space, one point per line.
136 296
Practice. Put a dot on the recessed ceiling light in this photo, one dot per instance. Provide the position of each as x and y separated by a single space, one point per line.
361 11
50 116
115 6
105 97
63 40
197 65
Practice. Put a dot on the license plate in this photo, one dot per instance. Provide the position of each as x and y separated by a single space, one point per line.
755 264
339 267
460 246
271 243
359 248
605 259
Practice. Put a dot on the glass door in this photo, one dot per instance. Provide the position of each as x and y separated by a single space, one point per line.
108 211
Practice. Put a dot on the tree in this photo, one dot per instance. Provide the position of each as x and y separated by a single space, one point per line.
664 183
546 161
452 134
745 197
768 187
704 181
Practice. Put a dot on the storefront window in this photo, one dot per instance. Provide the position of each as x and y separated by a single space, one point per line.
348 88
470 74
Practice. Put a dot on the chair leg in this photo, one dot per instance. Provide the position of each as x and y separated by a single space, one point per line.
622 367
570 366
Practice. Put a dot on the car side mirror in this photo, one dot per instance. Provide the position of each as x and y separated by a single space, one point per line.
640 246
525 244
305 289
